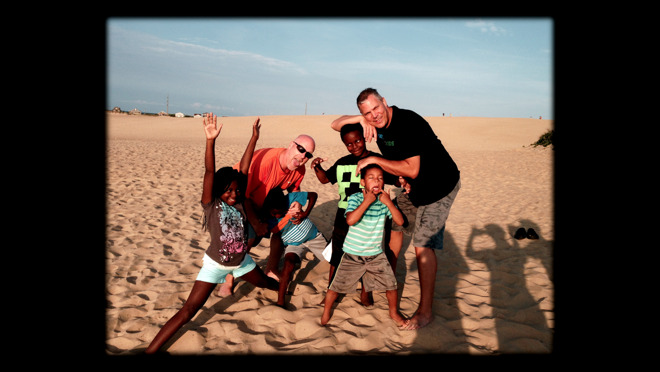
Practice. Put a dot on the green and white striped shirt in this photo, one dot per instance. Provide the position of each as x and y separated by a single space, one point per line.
365 238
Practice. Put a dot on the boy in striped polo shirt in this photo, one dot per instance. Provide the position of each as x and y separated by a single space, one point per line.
363 253
298 231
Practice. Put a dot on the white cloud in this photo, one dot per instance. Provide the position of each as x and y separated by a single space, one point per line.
187 52
171 48
486 27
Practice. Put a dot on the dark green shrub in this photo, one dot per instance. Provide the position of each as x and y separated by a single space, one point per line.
545 139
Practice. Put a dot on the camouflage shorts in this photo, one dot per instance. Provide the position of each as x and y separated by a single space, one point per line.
425 223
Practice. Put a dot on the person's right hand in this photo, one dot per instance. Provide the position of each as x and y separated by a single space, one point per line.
369 196
404 183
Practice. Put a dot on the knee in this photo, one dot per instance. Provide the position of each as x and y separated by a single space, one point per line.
289 263
276 239
187 312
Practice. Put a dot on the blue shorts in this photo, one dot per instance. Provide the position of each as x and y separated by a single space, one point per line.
213 272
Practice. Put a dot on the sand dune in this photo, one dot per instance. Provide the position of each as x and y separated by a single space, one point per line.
494 294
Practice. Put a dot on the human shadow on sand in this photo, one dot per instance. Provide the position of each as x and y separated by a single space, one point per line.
520 323
445 334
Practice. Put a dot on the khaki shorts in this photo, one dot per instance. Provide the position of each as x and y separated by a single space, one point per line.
316 246
425 223
375 271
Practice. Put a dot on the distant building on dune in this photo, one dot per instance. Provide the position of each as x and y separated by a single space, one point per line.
179 115
116 109
135 112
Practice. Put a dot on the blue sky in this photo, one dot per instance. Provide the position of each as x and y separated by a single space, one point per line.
488 67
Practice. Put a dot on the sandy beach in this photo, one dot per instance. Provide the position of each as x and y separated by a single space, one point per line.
494 294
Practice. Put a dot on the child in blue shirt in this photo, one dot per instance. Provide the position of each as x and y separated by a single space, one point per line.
363 253
298 231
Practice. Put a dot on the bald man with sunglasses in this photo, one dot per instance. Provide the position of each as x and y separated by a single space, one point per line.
271 168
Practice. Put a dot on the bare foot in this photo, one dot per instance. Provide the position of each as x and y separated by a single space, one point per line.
325 318
327 314
330 297
273 275
399 319
225 289
418 321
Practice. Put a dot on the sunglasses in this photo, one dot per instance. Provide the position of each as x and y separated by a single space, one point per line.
302 150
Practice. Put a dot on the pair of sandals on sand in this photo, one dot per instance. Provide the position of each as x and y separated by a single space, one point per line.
522 234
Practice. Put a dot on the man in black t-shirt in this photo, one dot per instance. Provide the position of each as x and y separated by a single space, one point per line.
412 151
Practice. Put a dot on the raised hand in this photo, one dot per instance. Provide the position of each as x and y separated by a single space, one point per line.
211 127
255 129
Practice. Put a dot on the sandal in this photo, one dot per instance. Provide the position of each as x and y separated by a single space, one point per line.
531 234
520 234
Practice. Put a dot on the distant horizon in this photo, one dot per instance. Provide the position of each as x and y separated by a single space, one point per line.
127 112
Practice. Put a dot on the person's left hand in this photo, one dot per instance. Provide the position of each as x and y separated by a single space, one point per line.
363 163
255 128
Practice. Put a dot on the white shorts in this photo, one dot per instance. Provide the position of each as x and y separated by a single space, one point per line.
316 246
213 272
